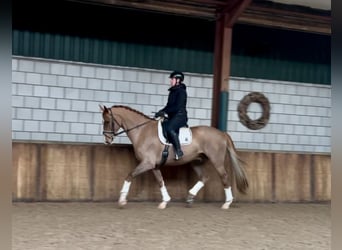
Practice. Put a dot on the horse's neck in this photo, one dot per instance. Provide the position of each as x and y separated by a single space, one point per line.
131 122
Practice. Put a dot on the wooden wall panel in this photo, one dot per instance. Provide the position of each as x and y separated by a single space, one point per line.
60 172
65 172
259 171
321 177
292 177
25 171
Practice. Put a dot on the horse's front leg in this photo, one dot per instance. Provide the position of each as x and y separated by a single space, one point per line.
165 195
141 168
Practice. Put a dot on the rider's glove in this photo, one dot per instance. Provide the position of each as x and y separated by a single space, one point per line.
160 113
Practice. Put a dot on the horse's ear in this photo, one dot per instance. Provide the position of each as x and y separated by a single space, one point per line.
103 108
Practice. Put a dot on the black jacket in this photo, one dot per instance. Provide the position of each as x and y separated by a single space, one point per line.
176 103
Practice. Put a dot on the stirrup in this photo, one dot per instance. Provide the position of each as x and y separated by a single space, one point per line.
179 155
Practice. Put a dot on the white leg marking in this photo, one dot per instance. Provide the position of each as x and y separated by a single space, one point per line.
123 193
165 197
196 188
229 198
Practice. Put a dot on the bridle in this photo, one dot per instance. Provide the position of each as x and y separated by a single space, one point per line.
113 120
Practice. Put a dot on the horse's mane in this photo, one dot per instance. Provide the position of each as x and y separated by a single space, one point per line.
133 110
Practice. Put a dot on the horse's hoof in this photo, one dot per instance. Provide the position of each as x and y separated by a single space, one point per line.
190 200
226 205
162 205
122 204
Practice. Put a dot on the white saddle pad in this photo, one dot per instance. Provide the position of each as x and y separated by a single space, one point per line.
185 135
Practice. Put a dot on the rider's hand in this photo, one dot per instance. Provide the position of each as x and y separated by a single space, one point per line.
159 114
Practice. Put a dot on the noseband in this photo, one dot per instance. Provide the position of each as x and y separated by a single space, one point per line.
112 132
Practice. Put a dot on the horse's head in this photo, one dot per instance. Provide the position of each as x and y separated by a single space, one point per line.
110 125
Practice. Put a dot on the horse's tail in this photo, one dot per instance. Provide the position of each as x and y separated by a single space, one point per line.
238 170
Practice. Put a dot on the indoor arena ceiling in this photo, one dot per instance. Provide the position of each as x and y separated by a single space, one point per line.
312 16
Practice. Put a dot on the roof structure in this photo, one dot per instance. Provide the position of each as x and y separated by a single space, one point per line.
312 16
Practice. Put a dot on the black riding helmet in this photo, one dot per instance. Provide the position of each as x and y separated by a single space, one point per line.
178 75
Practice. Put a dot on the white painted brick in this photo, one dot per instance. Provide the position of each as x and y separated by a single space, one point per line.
301 110
144 76
116 74
15 64
205 103
157 78
92 106
137 87
56 92
77 128
115 97
55 115
48 103
40 114
129 98
69 137
71 93
87 117
26 65
50 80
101 96
193 103
83 138
46 126
207 82
31 126
63 104
25 89
33 78
201 113
130 75
315 121
57 68
194 81
149 88
42 67
37 136
64 81
310 130
202 93
18 77
94 83
31 102
79 82
97 139
40 91
70 116
22 135
102 73
78 105
324 92
86 94
143 98
92 129
122 86
73 70
62 127
54 137
108 85
88 71
17 125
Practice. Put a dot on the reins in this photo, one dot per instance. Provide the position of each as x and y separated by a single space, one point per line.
123 131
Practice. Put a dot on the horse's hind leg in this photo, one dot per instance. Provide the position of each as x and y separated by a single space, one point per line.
226 181
199 170
165 195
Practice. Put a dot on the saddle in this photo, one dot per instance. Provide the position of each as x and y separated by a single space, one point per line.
185 138
185 135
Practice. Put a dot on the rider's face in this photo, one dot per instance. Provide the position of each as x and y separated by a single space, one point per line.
173 81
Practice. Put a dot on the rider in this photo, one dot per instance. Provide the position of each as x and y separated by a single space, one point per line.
176 110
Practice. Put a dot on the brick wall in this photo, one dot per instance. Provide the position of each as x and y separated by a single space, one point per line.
58 101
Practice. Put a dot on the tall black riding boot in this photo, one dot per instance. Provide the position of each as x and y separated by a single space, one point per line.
176 145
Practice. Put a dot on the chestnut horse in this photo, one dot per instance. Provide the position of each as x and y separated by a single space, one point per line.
208 143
